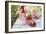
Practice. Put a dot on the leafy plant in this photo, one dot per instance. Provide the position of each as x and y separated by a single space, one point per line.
14 16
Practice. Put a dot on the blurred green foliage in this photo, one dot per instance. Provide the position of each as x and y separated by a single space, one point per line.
14 16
